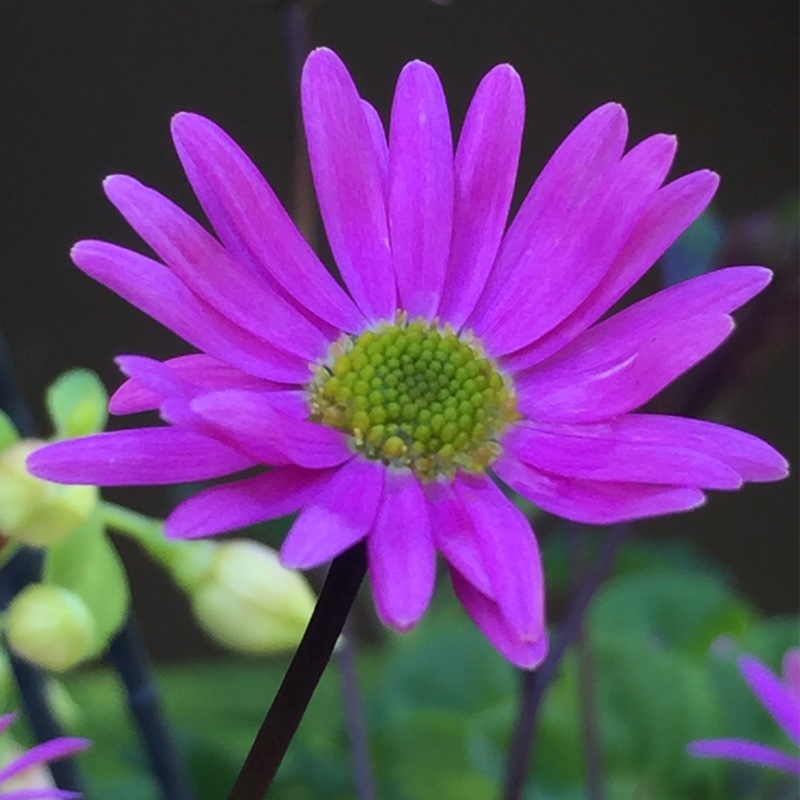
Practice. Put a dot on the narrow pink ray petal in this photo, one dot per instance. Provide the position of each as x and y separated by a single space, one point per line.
791 672
420 188
152 288
776 698
751 457
619 375
567 257
139 456
485 171
667 214
610 452
208 270
40 794
338 516
747 751
455 536
560 193
42 753
594 502
199 370
253 223
401 553
258 428
381 147
347 175
488 617
246 502
509 552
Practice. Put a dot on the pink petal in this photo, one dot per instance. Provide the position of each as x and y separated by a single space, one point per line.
402 558
253 224
485 170
486 614
509 552
380 145
236 505
41 794
152 288
781 703
594 502
338 516
420 188
567 257
7 720
347 175
747 751
43 753
208 270
791 672
140 456
613 452
455 536
558 197
667 214
251 421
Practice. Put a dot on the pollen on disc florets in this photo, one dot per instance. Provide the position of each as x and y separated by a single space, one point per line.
415 395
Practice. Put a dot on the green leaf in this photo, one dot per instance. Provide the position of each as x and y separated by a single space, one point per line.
87 563
8 432
77 403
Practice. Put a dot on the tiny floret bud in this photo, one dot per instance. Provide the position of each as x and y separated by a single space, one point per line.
35 511
247 601
50 627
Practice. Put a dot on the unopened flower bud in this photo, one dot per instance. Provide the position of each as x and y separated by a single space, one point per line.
247 601
50 626
35 511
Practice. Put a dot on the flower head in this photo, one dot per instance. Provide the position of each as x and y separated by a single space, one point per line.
26 778
781 699
460 355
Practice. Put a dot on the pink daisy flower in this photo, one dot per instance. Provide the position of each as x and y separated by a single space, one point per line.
27 786
455 355
781 699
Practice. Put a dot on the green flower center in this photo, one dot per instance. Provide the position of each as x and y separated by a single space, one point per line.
415 395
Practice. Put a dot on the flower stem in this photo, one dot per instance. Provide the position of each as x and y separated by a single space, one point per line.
148 532
535 684
304 673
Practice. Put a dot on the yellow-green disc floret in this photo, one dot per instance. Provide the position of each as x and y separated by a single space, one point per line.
415 395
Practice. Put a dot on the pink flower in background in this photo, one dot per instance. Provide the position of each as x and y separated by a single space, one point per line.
459 354
781 699
26 777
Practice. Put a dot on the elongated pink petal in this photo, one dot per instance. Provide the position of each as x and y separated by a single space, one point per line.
776 698
347 176
486 614
380 145
208 270
612 452
337 517
791 672
152 288
560 194
253 223
747 751
401 553
667 214
43 753
41 794
485 170
420 188
455 536
246 502
509 552
570 255
621 374
259 428
139 456
594 502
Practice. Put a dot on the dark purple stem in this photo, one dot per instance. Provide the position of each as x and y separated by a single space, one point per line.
283 718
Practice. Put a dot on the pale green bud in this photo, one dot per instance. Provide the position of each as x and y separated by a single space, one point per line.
50 627
35 511
247 601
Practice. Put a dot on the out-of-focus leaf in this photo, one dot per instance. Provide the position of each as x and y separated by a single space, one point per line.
695 252
77 403
8 432
87 564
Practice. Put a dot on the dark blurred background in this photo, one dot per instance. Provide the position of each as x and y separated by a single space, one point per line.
87 88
